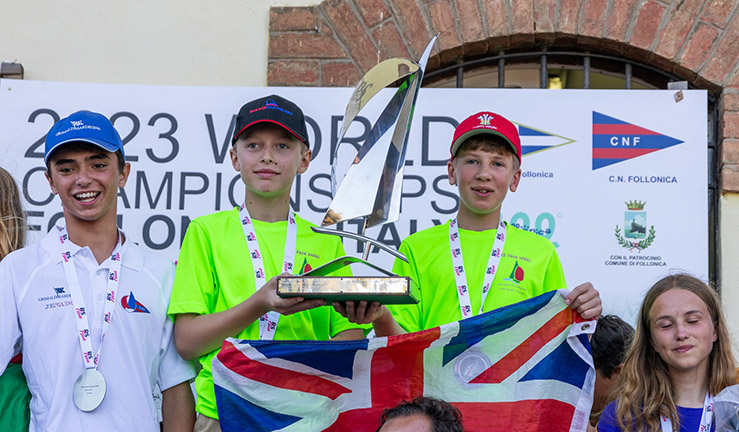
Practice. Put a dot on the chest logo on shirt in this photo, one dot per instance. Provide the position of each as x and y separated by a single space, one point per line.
516 274
131 305
61 298
305 268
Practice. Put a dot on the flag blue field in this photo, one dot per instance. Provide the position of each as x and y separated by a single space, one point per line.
525 367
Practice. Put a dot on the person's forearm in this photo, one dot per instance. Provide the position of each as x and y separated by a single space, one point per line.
196 335
178 408
351 334
387 326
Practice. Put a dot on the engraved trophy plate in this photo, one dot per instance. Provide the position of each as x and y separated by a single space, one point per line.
378 166
385 290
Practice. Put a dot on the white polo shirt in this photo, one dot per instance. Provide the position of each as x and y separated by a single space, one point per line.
138 352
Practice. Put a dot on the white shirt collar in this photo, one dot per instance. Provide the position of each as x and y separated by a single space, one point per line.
131 257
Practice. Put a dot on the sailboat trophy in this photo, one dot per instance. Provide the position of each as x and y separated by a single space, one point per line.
379 166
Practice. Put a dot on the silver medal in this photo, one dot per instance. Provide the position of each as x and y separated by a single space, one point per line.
89 390
469 365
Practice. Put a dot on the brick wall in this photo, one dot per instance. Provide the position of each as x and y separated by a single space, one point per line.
336 42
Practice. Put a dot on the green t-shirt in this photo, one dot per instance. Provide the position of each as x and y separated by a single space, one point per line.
214 273
529 266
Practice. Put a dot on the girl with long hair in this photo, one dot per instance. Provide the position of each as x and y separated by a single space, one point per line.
12 220
680 357
15 413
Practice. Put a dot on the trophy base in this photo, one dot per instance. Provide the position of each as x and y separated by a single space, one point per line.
384 290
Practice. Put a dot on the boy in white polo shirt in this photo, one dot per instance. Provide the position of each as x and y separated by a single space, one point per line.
89 305
476 262
225 283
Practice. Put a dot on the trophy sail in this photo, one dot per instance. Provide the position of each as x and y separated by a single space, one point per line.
380 161
378 164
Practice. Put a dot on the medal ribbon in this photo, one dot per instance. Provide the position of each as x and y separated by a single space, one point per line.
268 322
455 246
90 360
706 418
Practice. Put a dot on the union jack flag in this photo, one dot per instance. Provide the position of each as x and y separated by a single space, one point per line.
524 367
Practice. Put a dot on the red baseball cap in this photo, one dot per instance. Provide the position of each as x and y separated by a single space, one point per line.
486 122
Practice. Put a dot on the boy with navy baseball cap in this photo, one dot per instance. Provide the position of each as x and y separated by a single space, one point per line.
89 304
475 262
225 284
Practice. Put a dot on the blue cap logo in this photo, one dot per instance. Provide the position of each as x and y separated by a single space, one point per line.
83 126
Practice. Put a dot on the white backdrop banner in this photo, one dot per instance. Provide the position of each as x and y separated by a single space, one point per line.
616 179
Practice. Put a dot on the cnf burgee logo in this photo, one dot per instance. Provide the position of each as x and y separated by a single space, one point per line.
615 141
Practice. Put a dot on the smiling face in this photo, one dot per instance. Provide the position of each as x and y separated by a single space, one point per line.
268 158
87 181
484 176
682 331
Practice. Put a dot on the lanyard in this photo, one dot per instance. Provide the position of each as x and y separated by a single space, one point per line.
706 418
268 322
460 278
90 360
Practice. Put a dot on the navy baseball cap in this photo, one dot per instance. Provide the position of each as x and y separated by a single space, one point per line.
83 126
272 109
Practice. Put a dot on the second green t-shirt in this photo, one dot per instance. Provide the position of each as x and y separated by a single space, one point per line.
529 266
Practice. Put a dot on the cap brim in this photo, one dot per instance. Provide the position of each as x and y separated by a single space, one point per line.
462 138
292 132
102 144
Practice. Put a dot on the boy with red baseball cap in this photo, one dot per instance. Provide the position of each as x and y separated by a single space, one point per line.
475 262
